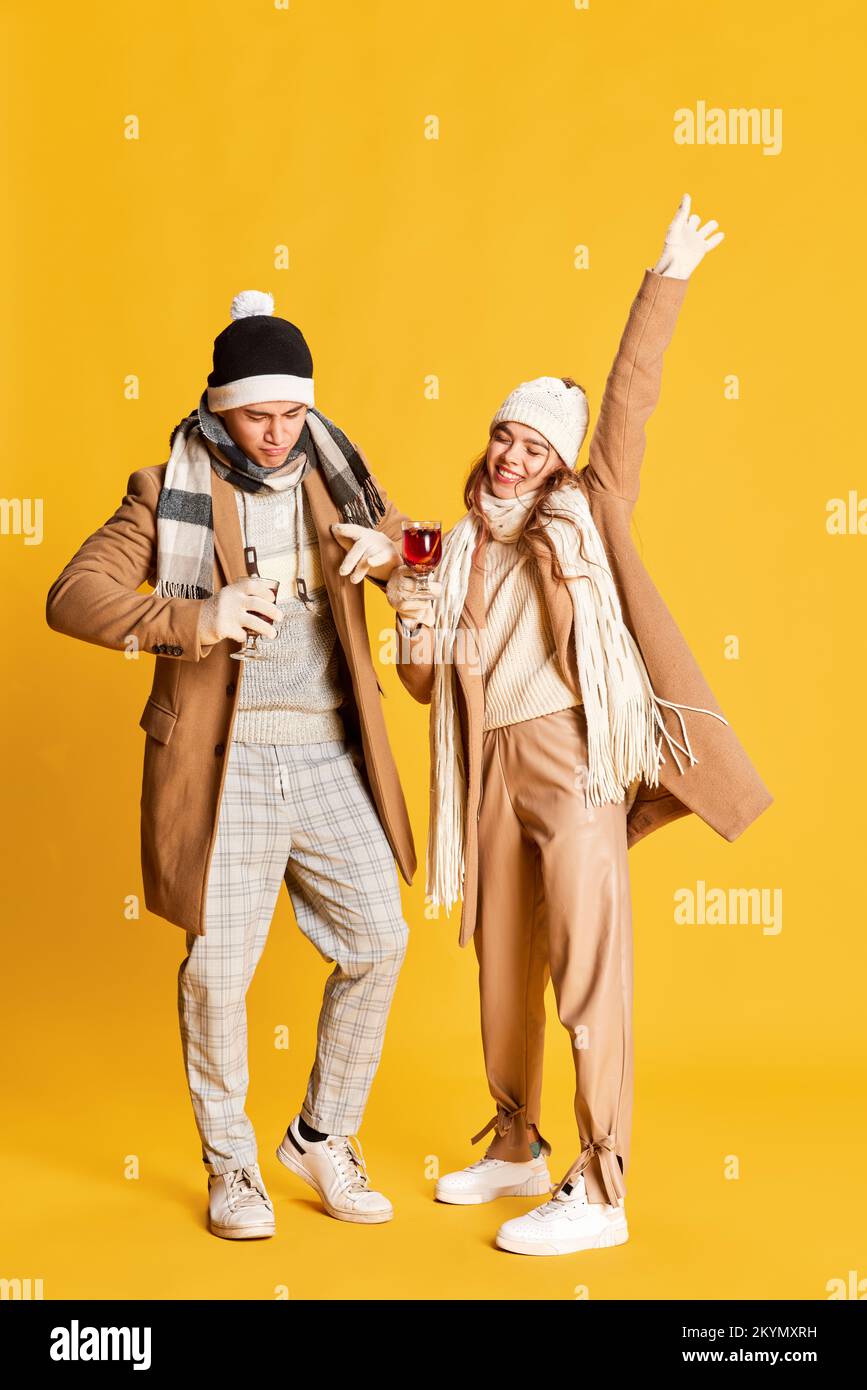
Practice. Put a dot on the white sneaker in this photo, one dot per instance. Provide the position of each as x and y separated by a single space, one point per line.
337 1172
490 1178
239 1207
565 1224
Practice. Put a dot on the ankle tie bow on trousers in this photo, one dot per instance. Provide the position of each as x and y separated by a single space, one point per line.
502 1123
604 1149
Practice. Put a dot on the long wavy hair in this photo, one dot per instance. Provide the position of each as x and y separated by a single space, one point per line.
533 537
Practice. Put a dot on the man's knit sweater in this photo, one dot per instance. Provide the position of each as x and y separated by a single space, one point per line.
293 694
522 672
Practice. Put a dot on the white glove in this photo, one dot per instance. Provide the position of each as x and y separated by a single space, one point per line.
234 610
412 607
367 550
686 243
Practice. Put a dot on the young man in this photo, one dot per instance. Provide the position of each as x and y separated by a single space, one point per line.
276 767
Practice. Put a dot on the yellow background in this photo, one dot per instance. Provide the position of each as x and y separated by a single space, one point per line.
454 257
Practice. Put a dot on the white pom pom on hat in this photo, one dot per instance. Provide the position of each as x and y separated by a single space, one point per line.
250 302
259 357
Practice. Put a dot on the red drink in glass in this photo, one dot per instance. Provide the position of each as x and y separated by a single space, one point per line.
422 549
422 546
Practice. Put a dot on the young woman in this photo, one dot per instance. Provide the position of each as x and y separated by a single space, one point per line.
542 648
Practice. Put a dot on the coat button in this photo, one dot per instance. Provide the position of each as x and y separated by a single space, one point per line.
230 688
219 749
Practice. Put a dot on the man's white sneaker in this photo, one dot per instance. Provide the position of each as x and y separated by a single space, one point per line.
565 1224
337 1172
239 1207
490 1178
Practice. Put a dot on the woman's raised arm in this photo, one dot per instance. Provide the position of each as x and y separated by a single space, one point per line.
632 390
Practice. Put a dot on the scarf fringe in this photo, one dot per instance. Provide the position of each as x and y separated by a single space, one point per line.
446 826
175 588
358 511
445 866
375 504
630 751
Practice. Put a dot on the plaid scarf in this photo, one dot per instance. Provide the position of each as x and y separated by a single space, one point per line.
185 521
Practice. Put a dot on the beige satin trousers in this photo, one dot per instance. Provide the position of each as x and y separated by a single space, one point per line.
554 903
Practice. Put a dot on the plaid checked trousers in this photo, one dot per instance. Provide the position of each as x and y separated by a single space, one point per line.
300 812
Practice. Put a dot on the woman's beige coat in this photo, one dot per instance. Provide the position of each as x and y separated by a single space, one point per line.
189 715
723 787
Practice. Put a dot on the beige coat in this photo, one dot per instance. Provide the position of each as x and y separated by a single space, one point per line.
189 715
723 787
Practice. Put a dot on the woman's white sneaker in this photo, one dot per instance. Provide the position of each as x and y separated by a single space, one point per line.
491 1178
337 1172
239 1207
564 1225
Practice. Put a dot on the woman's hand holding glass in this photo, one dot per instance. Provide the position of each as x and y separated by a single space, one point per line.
414 605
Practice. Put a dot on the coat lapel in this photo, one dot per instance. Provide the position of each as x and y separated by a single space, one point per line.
473 614
347 600
228 539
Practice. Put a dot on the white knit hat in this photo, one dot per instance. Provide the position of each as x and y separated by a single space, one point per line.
557 411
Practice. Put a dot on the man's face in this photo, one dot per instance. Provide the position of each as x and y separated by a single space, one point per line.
267 430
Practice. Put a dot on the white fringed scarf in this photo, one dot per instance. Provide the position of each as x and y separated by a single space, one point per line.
620 705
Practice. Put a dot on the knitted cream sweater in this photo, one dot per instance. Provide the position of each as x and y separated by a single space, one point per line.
293 695
521 669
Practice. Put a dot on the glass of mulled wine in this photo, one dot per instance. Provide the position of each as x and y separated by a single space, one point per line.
422 549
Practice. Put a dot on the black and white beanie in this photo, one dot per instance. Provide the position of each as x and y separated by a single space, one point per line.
259 357
263 358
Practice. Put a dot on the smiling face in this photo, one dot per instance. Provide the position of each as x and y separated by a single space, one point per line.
518 458
267 430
